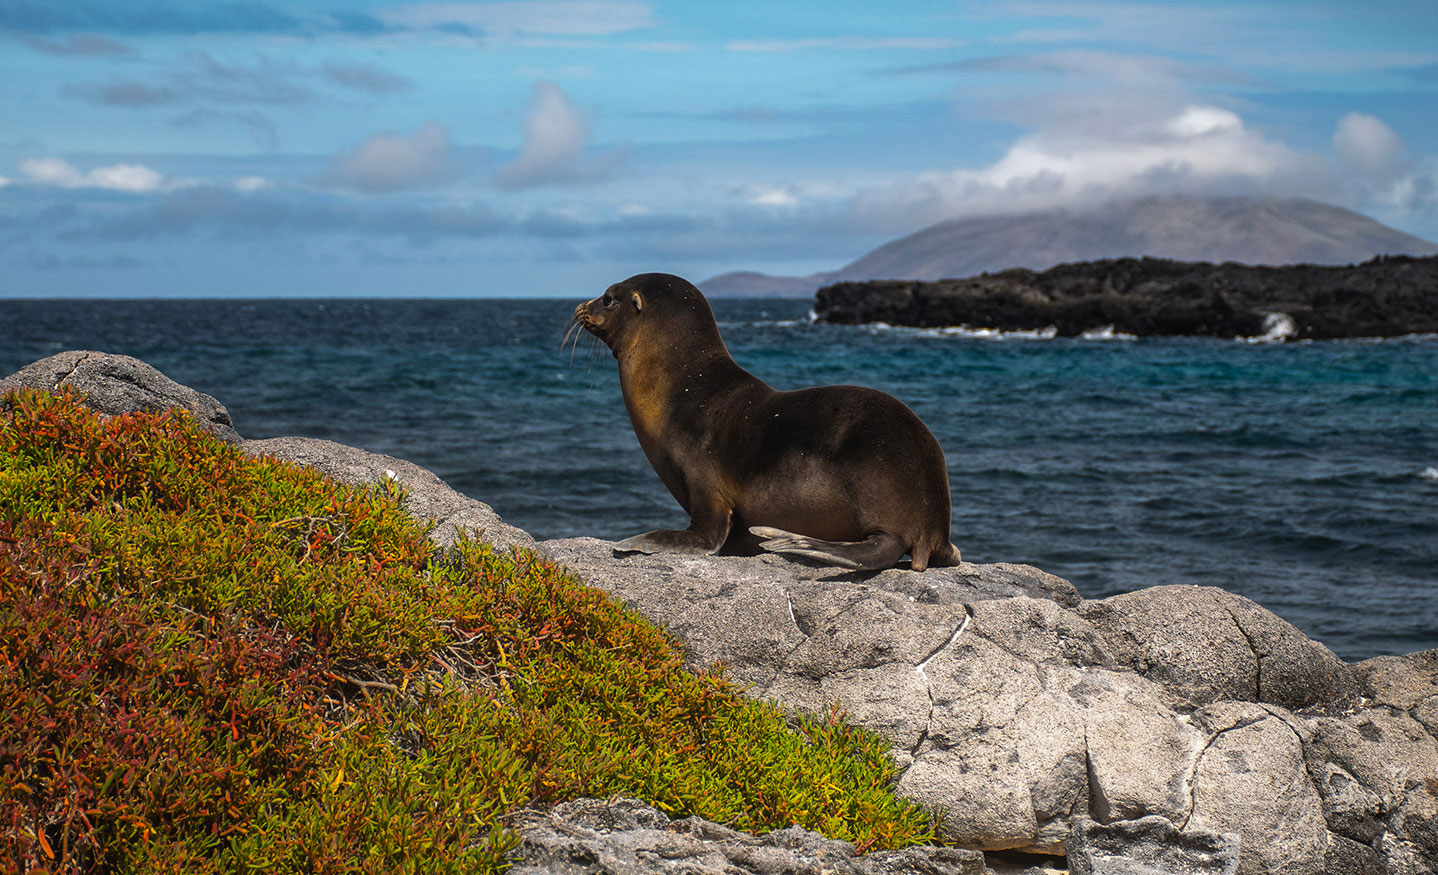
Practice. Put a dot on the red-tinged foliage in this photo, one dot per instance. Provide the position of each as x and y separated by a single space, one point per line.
124 719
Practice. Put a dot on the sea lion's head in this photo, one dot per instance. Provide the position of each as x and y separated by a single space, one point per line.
650 305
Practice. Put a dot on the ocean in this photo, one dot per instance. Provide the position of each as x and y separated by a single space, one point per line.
1304 476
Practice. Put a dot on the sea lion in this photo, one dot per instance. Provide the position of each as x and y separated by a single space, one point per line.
844 474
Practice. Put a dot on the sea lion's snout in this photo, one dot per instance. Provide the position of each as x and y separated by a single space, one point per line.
584 314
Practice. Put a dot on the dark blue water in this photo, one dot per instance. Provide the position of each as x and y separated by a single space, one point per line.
1304 476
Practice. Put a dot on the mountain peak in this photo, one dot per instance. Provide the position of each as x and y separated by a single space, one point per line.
1247 230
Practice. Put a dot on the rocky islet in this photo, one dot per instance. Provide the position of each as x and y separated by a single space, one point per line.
1387 296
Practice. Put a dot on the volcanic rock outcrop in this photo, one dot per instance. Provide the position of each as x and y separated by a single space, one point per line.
1385 297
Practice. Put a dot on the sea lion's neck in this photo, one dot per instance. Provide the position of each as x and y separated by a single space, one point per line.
671 379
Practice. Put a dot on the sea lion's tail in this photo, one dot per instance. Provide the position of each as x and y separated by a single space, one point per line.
879 550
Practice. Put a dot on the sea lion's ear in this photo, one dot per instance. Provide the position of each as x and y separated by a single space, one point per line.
638 300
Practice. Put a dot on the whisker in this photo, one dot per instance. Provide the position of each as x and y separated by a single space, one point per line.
596 357
571 338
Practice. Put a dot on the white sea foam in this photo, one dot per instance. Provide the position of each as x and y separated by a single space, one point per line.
1107 333
1429 473
1277 327
965 331
763 323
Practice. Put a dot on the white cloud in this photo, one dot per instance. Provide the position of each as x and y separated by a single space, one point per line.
1368 144
1204 121
387 162
555 134
773 197
573 17
1390 181
133 178
251 184
1195 150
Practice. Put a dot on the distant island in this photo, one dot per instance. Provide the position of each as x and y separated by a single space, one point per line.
1387 296
1247 230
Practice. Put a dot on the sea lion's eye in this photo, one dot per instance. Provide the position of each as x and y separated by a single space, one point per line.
608 300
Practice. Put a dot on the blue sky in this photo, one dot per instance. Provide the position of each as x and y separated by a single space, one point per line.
550 147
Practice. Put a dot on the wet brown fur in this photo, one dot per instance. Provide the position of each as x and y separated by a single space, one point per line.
845 474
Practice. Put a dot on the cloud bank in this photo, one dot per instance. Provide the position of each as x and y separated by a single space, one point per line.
130 178
557 17
1199 149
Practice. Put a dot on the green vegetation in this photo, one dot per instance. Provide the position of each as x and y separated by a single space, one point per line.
213 662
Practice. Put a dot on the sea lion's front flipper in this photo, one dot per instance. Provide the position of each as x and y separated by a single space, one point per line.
879 550
705 535
666 541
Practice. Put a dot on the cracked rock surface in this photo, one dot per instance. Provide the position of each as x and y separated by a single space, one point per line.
624 836
1032 719
1019 711
1149 846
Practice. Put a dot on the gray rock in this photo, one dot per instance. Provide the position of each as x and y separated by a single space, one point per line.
764 614
1206 644
1417 820
622 836
1388 752
1402 682
1350 809
1401 857
1012 714
1347 857
427 496
1250 778
1149 846
114 384
1140 752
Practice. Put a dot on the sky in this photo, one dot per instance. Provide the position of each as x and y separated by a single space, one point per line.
205 148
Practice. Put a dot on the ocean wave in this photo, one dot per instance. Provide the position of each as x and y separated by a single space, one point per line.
764 323
1277 327
1409 338
1107 333
1429 473
965 331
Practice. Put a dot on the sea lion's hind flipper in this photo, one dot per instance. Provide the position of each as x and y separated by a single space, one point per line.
879 550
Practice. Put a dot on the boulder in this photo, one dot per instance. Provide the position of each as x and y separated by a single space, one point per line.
1149 846
1016 713
1408 683
830 628
1250 779
624 836
114 384
1206 644
426 496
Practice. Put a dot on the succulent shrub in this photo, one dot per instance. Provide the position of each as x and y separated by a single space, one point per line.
217 662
